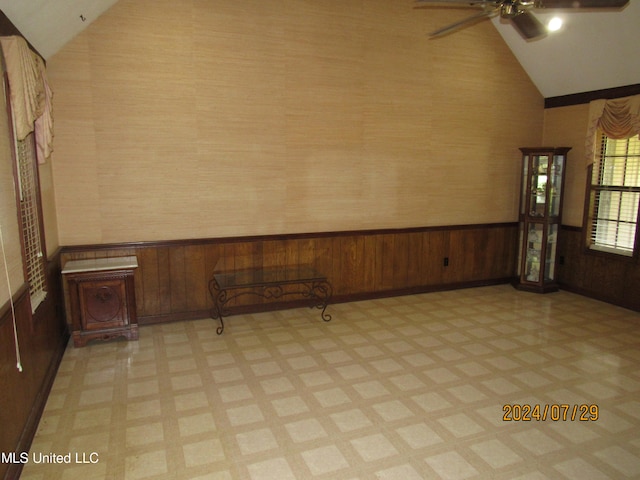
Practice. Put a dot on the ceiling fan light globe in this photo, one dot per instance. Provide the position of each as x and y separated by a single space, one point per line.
554 24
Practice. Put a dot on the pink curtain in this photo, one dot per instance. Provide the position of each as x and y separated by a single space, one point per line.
618 118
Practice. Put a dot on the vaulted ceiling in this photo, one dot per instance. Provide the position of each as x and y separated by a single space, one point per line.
594 50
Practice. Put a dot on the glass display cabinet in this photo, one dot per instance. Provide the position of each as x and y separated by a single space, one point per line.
543 171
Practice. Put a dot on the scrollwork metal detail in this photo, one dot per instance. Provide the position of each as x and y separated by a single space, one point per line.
318 291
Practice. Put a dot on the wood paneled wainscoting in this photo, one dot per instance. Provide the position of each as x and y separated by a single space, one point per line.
610 278
171 282
42 339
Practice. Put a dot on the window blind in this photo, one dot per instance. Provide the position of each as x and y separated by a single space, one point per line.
30 215
615 195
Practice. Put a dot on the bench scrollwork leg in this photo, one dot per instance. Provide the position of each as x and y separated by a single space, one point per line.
322 291
219 300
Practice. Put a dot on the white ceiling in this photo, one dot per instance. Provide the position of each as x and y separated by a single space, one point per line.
593 51
50 24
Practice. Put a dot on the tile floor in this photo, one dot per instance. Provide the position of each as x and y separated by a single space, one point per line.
401 388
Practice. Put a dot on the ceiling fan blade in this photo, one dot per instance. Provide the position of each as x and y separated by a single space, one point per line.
582 3
528 26
475 4
465 3
463 23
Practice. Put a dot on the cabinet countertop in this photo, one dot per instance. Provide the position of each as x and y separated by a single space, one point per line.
100 264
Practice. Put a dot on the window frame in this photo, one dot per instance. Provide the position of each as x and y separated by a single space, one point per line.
589 213
39 297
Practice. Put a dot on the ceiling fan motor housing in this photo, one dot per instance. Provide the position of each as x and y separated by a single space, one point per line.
511 8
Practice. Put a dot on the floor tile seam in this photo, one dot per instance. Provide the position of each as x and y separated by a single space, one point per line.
285 443
287 368
166 385
465 450
543 463
373 468
170 430
474 412
243 463
321 414
439 362
593 461
519 380
623 413
72 399
280 375
47 471
621 440
546 429
343 445
535 458
175 445
628 432
198 471
436 425
169 415
419 465
80 365
66 419
577 387
448 393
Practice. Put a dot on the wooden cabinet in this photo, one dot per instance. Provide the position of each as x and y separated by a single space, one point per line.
543 172
101 299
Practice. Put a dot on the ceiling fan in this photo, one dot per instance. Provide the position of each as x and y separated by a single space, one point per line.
516 11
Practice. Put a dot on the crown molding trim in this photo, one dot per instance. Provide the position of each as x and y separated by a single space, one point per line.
586 97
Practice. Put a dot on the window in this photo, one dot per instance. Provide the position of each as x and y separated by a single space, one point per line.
29 210
30 219
614 197
24 74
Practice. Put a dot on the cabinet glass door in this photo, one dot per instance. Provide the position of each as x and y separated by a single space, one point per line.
534 252
538 193
550 253
525 185
555 185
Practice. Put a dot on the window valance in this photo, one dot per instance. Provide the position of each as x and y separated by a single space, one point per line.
30 94
618 118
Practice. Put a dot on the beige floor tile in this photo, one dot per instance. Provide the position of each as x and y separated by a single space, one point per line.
374 447
398 388
451 466
325 460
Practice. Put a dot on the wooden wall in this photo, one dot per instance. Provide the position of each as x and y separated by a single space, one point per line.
42 339
172 278
610 278
217 118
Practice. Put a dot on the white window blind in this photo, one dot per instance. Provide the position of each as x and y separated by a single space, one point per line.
30 215
615 196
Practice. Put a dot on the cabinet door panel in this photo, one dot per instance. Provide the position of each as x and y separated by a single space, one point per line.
103 304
